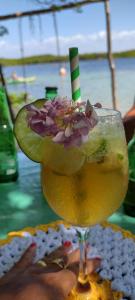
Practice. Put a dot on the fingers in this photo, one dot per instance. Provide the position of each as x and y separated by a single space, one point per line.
68 259
73 257
93 264
63 257
68 280
23 263
63 282
27 258
41 270
71 260
60 253
58 260
73 263
68 277
55 261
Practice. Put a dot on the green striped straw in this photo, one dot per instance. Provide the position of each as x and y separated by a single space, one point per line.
75 74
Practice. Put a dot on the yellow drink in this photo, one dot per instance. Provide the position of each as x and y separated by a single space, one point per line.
84 164
96 190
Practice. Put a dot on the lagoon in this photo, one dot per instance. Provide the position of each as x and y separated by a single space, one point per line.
95 81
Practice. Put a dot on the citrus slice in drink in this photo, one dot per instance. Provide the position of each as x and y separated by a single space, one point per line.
61 160
113 161
31 143
43 149
95 149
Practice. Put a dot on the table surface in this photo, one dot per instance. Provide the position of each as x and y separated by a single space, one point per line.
22 203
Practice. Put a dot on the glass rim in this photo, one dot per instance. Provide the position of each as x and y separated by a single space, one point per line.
110 112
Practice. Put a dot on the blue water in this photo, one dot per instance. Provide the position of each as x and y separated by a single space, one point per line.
95 81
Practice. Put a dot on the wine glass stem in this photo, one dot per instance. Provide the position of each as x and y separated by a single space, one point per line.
83 280
82 266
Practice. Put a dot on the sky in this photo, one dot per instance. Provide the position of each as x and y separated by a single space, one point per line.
86 30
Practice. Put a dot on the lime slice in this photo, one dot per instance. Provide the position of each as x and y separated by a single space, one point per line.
31 143
95 149
43 149
61 160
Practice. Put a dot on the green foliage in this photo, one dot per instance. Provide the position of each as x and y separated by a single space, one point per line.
48 58
19 100
130 53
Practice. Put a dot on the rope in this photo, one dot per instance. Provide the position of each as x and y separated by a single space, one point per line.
57 35
31 25
40 27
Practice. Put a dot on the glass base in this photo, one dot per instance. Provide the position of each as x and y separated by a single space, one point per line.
98 289
76 295
82 291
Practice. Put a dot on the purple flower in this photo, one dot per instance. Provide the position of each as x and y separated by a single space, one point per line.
66 122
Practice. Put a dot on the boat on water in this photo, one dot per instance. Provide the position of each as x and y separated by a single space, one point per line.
20 80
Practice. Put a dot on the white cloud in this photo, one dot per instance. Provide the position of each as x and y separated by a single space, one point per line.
125 34
94 42
2 43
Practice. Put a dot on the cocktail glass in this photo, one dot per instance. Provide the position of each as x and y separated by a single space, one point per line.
85 185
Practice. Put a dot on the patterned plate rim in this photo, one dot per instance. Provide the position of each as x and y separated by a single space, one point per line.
54 225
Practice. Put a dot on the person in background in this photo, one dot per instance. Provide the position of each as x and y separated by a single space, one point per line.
63 71
14 76
129 123
129 126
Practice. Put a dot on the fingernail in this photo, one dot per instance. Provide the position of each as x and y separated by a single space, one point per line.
33 245
98 258
67 244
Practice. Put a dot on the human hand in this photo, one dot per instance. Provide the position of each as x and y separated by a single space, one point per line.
44 282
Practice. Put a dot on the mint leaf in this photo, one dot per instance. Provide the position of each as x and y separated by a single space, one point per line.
120 156
99 154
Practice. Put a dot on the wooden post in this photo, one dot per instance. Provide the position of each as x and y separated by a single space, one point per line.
52 8
110 56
